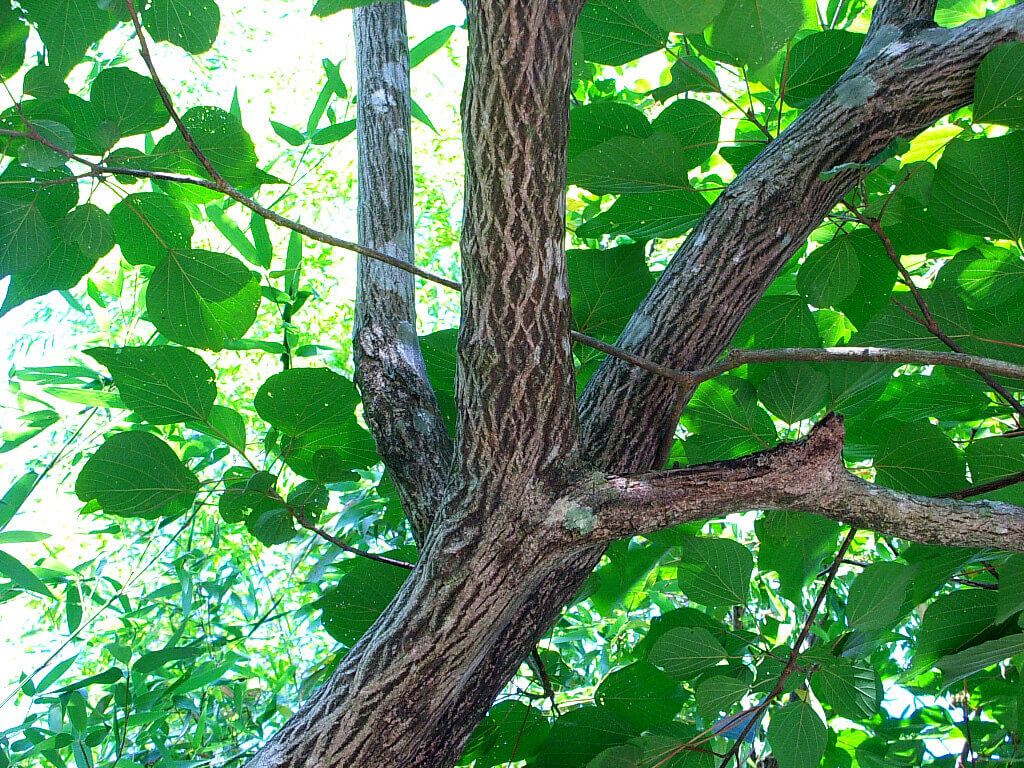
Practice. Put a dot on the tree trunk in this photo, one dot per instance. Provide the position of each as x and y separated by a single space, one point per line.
489 583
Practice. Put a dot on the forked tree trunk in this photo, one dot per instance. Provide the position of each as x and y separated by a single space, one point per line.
488 585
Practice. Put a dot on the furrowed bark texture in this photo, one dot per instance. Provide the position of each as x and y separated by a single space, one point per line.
398 402
391 699
489 583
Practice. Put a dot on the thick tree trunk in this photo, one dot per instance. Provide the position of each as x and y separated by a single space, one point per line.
489 584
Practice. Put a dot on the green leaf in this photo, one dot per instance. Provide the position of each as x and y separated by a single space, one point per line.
13 34
984 276
797 736
225 424
951 622
616 32
829 273
67 28
61 269
999 86
794 391
726 422
965 663
776 322
201 298
848 687
715 572
188 24
648 216
606 287
979 186
289 134
429 45
128 100
593 124
272 526
222 140
91 229
21 575
719 694
360 596
1010 595
334 132
994 458
684 652
877 595
149 225
315 409
753 30
625 164
151 662
136 474
579 735
919 458
816 62
163 385
687 16
439 355
641 694
695 124
25 237
512 731
794 545
37 155
688 73
232 233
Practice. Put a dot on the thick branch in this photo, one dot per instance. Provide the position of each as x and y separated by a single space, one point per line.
399 403
807 475
900 85
896 13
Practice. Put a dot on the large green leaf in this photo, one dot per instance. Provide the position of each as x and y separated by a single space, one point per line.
606 287
688 73
511 731
201 298
877 595
719 694
616 32
714 572
1010 596
776 322
315 409
794 391
360 596
684 652
149 225
815 63
848 687
68 28
829 273
641 694
982 656
189 24
726 421
31 205
952 621
593 124
625 164
13 34
993 459
579 735
695 124
128 100
222 140
797 736
439 355
984 276
794 545
163 385
754 30
687 16
647 216
919 458
136 474
60 269
91 229
999 86
979 186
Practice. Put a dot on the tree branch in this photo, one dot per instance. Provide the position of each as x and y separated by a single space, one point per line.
399 403
899 12
807 476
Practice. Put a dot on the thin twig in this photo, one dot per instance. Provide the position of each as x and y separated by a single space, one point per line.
991 485
545 681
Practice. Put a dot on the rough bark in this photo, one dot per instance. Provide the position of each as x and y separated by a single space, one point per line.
398 402
489 583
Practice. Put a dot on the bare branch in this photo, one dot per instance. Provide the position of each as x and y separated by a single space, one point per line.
807 475
399 403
